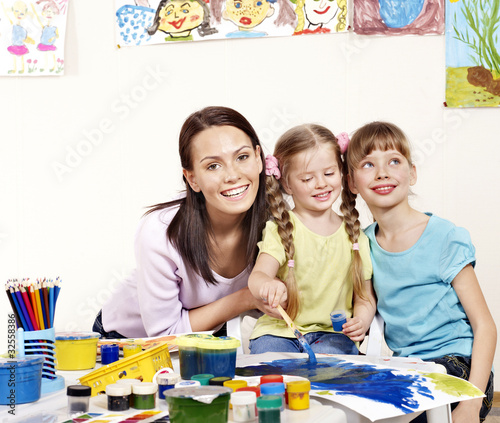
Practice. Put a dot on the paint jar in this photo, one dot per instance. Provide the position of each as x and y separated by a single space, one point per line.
166 381
200 404
144 395
78 399
234 384
269 408
203 378
275 388
187 384
188 354
255 389
76 350
131 349
20 380
119 395
271 379
244 406
338 319
218 355
218 381
298 394
109 353
129 382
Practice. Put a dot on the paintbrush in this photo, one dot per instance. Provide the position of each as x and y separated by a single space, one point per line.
298 335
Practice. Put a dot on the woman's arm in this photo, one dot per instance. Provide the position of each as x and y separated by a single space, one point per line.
364 310
470 295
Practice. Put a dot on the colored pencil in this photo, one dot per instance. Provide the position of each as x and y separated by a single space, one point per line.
51 303
29 308
27 324
13 305
39 307
46 302
31 293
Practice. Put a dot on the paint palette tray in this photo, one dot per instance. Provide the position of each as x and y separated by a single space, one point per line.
142 366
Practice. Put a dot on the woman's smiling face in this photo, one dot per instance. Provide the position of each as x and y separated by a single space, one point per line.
179 16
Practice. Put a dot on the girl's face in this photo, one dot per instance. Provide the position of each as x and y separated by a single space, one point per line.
49 13
247 14
314 179
225 168
19 10
179 16
320 11
383 179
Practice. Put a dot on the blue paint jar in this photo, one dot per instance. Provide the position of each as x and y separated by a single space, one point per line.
217 356
165 382
338 319
275 388
20 380
110 353
188 354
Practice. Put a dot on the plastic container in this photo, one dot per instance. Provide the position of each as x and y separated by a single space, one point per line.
244 406
271 379
203 378
188 354
141 366
298 394
183 406
268 407
144 395
78 399
218 355
128 382
187 384
166 381
219 380
131 349
119 396
20 380
110 353
76 350
338 318
234 384
275 388
255 389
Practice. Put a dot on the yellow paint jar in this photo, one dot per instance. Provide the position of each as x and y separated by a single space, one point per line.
131 349
76 350
298 394
234 384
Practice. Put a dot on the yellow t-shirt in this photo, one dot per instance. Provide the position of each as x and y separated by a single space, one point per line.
322 275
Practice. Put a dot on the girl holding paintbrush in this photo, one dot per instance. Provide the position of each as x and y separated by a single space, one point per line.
311 260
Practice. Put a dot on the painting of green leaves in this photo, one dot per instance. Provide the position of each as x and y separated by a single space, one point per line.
472 53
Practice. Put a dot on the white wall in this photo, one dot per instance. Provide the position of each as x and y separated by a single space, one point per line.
75 216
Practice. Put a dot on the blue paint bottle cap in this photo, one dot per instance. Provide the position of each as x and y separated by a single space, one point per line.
269 401
275 388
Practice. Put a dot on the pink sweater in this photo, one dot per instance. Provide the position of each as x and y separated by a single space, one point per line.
156 298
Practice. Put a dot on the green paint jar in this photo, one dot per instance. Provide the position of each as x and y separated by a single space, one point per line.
144 395
203 378
268 407
200 404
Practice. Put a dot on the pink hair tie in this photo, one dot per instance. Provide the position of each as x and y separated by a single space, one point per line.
343 141
355 246
272 166
291 263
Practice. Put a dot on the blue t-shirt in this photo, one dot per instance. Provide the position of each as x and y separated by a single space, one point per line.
422 313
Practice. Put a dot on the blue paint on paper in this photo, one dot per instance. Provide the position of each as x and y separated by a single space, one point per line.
363 380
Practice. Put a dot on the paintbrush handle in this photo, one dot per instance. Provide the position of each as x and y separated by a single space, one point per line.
286 317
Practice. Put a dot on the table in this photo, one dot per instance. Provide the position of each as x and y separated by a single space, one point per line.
52 408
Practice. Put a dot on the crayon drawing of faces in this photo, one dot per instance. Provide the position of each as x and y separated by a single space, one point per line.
179 17
19 9
320 12
247 14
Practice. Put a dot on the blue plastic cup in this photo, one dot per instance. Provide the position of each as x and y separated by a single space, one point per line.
338 319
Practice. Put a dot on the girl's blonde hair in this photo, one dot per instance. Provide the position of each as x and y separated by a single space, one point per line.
292 142
376 136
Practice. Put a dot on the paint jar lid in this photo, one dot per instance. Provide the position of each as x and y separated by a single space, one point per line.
187 384
129 382
221 343
203 378
145 388
219 380
78 391
72 336
269 401
255 389
298 386
110 348
243 397
235 384
271 379
205 394
119 389
168 378
191 340
337 315
274 388
20 361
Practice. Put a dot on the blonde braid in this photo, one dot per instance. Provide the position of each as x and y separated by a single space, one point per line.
342 16
299 10
352 226
277 207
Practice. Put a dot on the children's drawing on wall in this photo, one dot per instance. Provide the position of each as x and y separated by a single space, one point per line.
472 53
32 37
162 21
398 17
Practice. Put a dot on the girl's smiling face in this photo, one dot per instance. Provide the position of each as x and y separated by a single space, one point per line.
19 9
247 14
179 16
225 169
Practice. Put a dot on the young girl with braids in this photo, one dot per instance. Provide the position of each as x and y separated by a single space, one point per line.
311 261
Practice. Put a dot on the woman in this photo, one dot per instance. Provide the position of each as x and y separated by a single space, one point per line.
194 254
